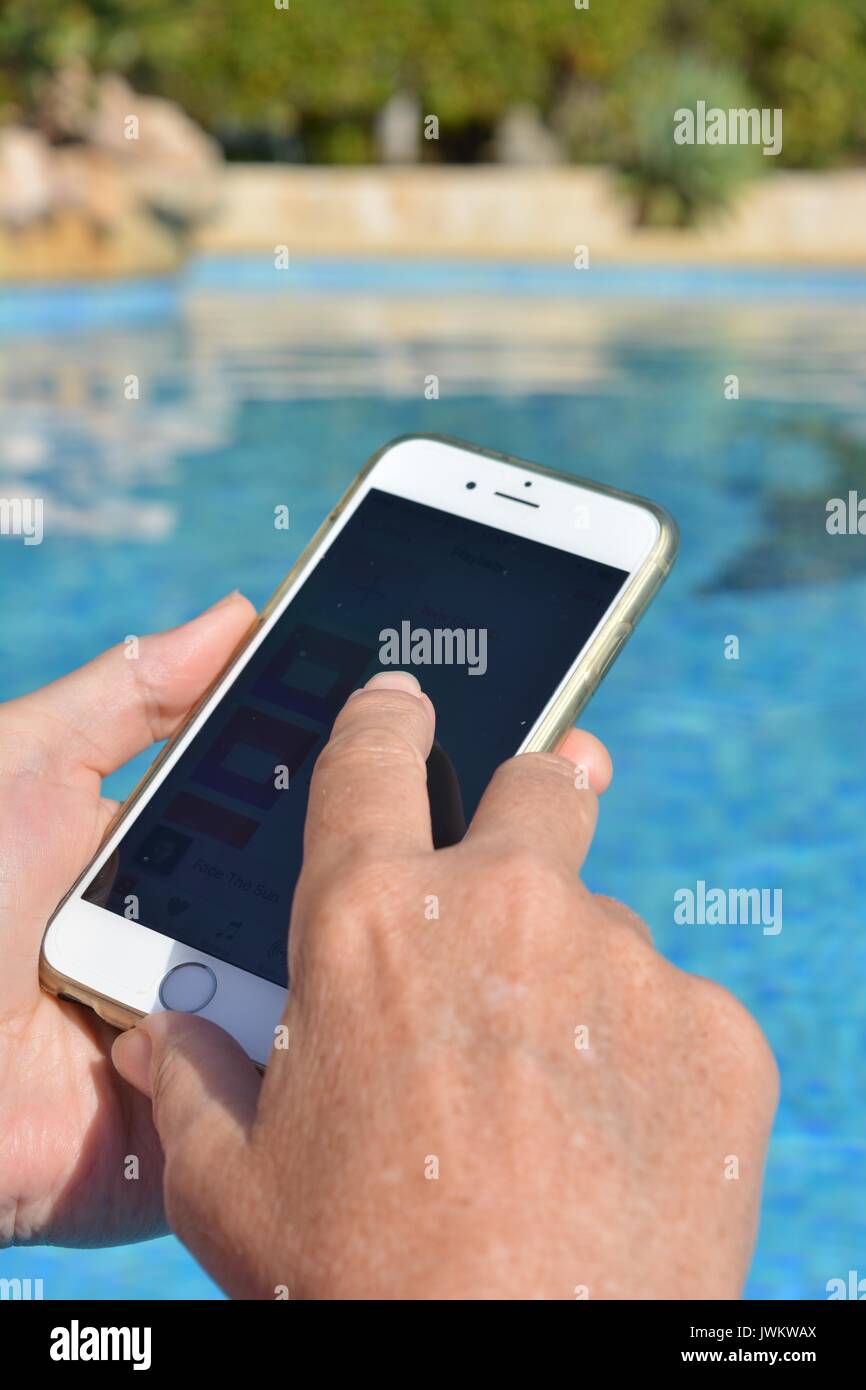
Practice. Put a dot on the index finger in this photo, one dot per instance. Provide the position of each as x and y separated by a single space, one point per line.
369 785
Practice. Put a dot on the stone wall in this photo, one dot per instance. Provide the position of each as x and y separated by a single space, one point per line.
487 211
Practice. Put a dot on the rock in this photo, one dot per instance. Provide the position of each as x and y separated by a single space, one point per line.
25 177
88 181
93 192
170 164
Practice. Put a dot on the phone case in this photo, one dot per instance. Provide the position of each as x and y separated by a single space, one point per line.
598 658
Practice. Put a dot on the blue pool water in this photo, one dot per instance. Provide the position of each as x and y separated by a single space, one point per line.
259 387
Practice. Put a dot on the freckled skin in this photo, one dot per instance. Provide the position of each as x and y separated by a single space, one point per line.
432 1129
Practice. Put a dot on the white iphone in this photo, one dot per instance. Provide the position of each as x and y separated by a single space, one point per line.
506 588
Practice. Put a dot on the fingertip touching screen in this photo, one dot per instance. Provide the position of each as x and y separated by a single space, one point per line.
488 621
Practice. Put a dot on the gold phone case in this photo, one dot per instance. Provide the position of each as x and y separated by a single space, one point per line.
605 647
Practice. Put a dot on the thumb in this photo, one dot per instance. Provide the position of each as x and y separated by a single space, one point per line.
101 715
204 1091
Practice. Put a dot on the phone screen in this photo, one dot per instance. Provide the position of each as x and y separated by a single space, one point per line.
488 621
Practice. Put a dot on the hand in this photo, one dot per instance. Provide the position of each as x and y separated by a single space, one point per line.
67 1121
432 1129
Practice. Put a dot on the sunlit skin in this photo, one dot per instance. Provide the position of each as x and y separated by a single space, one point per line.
67 1121
431 1130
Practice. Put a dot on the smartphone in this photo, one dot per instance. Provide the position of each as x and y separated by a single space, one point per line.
506 588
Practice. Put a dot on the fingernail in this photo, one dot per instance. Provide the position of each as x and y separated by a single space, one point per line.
571 746
395 680
590 761
131 1056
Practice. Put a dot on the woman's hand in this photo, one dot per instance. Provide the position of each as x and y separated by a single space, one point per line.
67 1121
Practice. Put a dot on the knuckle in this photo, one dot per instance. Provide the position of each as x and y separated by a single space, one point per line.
525 889
361 877
614 907
523 871
356 896
549 785
547 763
541 768
381 745
733 1032
621 913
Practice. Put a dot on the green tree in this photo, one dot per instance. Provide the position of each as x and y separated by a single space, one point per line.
320 71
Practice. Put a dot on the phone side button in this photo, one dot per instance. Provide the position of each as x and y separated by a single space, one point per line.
619 637
188 987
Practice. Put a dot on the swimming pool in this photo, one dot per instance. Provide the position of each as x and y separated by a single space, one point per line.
258 387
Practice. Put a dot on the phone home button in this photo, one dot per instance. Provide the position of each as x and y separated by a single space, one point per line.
188 987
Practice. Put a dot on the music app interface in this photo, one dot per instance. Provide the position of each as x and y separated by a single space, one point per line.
489 622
